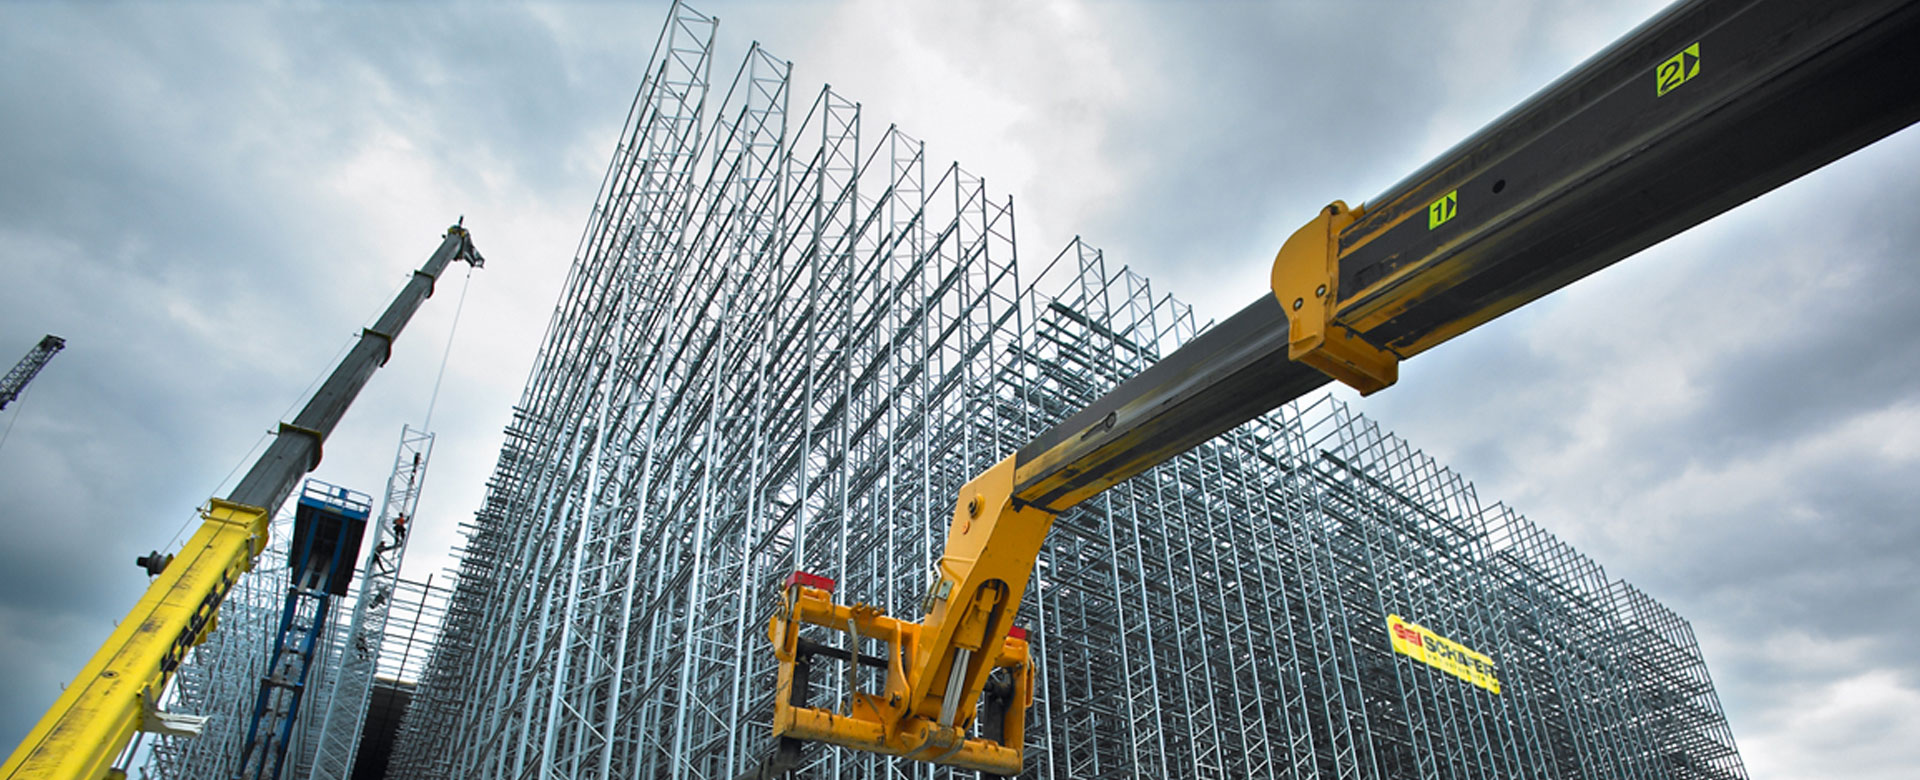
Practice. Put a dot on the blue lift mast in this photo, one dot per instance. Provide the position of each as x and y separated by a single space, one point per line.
328 524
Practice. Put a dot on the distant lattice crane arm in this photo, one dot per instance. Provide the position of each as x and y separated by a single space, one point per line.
29 367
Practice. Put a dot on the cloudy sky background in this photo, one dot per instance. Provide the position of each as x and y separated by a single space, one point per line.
209 201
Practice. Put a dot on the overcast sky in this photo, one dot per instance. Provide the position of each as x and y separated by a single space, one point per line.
209 201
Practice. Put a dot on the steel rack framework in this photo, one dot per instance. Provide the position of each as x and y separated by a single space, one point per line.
219 676
417 611
784 344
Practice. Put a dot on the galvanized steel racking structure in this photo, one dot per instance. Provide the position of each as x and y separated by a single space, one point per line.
219 677
784 344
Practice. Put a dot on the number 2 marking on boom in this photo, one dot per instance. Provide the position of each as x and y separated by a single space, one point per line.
1677 70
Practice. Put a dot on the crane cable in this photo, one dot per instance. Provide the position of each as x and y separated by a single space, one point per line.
16 414
454 327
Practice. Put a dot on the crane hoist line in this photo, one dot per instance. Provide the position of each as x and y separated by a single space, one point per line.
117 693
1708 105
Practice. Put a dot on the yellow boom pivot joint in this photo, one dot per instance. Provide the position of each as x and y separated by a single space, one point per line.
1306 280
957 683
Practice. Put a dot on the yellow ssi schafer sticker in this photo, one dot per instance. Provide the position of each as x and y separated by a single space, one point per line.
1416 642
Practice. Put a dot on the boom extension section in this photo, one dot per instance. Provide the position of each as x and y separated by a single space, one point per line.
1708 105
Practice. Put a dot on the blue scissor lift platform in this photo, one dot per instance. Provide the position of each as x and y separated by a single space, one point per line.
328 523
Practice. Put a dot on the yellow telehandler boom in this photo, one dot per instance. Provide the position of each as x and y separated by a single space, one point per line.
1709 104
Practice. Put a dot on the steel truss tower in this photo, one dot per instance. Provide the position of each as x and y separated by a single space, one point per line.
342 712
787 339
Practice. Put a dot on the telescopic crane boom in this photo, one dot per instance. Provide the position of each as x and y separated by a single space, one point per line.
1709 104
116 693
